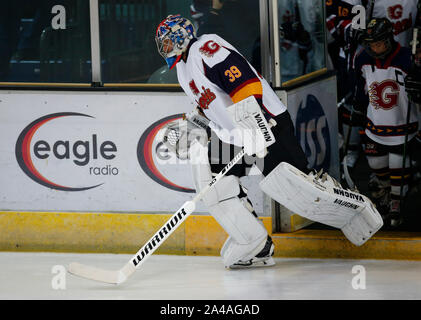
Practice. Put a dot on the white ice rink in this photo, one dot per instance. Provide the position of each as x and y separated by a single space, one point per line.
33 276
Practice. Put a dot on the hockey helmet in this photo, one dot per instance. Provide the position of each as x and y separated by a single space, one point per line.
172 38
378 29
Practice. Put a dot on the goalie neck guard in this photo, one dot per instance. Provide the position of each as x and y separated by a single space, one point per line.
172 38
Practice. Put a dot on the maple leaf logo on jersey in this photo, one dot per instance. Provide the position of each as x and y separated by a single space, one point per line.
209 48
207 96
384 95
193 88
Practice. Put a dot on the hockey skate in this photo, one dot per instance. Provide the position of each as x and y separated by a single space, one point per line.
394 218
380 194
352 157
262 259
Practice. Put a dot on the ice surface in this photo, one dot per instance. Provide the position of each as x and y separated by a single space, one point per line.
164 277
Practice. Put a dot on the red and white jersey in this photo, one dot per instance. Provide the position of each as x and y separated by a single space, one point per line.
381 85
401 13
216 76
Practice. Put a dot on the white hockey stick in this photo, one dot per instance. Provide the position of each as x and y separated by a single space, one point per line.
120 276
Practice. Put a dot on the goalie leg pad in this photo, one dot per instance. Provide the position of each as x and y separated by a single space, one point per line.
322 199
229 211
230 244
362 226
233 252
247 235
226 188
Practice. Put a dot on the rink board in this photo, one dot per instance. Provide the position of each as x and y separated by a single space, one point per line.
95 152
108 232
198 235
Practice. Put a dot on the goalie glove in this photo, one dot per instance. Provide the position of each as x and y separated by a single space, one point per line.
197 119
180 134
255 131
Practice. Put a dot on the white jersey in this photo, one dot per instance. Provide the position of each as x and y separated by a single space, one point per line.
215 76
382 82
402 15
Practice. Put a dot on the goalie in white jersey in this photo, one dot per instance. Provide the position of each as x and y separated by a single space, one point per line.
237 104
380 98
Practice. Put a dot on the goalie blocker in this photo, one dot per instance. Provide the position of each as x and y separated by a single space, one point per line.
320 198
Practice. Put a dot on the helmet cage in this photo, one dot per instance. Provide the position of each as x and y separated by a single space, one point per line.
378 30
388 44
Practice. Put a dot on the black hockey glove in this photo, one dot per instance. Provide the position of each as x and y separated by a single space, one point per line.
413 85
352 38
358 116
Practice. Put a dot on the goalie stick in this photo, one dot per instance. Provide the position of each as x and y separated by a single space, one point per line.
347 176
414 45
121 275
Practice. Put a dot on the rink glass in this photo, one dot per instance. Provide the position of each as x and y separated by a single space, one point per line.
41 46
45 41
302 37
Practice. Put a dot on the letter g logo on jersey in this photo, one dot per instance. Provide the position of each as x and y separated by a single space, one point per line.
209 48
384 95
395 12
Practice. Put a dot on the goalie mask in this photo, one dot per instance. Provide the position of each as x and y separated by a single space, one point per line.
172 38
378 30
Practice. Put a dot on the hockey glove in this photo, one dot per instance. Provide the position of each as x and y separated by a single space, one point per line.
358 116
197 118
255 131
179 135
413 85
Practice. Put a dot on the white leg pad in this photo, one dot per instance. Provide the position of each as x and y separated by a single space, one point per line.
362 226
324 201
232 251
226 188
226 245
246 231
237 221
